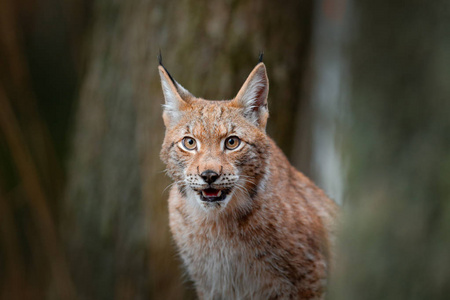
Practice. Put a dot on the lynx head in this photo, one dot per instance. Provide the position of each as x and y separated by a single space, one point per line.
217 151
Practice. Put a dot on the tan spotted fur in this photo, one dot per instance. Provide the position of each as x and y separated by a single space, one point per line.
271 237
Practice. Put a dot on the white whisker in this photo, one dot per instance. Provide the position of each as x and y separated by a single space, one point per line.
181 182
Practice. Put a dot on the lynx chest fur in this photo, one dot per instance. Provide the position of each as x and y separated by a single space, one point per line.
247 224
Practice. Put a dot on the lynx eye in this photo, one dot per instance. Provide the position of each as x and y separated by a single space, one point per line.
189 143
232 142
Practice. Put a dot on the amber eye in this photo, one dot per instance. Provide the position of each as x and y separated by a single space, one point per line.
232 142
189 143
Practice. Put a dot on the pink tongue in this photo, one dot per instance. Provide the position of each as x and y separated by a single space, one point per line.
211 192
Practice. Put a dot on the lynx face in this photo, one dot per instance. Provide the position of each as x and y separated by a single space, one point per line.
216 150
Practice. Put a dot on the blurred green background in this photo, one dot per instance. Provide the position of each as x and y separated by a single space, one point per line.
359 102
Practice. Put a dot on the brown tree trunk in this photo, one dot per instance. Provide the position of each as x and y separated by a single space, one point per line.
115 212
396 237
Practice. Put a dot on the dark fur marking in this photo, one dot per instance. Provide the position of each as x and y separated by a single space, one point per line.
261 55
181 164
293 275
182 191
253 145
275 297
260 255
253 193
183 215
245 217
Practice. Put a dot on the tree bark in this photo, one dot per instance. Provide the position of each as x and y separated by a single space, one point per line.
116 223
396 234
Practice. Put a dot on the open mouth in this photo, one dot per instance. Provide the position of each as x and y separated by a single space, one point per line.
213 195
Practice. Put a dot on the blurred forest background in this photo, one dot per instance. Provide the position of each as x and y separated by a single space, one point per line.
359 102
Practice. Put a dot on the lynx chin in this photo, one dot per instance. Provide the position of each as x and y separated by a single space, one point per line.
246 223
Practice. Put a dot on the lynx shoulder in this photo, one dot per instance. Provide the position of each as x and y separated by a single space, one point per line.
246 223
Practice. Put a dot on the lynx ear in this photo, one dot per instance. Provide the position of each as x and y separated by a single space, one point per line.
176 97
252 96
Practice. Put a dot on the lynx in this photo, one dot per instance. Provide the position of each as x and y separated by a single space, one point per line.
247 225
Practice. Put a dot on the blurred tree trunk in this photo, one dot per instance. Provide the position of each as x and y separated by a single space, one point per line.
34 114
115 213
396 237
328 68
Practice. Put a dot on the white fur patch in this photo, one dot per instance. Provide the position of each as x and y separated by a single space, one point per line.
254 97
250 99
172 102
173 95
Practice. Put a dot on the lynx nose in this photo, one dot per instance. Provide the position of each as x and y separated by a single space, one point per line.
209 176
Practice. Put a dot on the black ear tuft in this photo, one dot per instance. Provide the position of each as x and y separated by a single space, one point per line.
261 55
160 58
161 64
